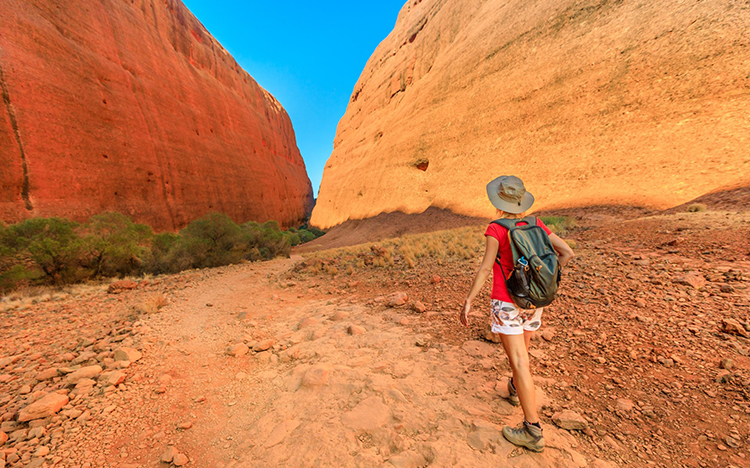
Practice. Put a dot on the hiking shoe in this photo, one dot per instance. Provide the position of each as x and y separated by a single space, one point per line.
512 394
525 435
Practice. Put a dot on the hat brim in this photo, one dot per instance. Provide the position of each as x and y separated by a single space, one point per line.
508 207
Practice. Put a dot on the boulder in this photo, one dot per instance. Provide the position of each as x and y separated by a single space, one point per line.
570 420
127 354
44 407
733 327
692 279
83 373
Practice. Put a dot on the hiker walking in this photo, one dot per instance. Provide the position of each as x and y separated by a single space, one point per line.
524 258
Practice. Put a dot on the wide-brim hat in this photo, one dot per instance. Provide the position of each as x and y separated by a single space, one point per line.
507 193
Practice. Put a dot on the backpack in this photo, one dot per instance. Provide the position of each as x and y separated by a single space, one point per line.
535 277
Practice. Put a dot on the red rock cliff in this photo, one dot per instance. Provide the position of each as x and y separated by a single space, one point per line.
133 106
589 101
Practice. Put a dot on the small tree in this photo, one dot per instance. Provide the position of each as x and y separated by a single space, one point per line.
212 240
51 244
114 245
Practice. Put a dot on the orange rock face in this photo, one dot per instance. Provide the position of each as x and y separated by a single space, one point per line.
132 106
590 102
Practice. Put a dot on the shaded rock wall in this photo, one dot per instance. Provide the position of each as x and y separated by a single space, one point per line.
589 101
133 106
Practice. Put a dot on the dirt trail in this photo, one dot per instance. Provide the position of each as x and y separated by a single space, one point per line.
341 385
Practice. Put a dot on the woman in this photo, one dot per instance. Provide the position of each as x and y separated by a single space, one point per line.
515 326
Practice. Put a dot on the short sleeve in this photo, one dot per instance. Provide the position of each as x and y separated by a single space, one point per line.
493 230
541 224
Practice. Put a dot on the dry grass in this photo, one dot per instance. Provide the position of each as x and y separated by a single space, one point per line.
399 253
26 296
151 304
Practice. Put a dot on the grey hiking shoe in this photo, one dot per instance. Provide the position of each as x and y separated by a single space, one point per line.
513 395
525 435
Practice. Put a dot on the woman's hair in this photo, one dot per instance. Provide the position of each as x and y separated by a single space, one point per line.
505 215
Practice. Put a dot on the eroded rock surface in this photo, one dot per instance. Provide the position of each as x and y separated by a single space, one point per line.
134 107
590 102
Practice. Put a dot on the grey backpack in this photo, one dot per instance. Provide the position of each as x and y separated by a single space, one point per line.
535 277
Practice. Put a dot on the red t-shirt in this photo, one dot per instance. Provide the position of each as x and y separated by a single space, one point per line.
499 290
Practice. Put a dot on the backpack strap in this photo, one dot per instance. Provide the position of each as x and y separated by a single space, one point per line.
511 224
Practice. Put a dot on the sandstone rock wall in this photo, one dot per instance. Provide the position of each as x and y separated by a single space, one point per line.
589 101
133 106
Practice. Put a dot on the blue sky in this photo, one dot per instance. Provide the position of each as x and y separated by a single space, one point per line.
308 54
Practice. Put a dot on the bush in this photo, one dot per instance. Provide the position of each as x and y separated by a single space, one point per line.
49 244
213 240
265 241
113 245
57 251
162 259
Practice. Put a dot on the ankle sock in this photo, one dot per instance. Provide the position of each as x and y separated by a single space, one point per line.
536 424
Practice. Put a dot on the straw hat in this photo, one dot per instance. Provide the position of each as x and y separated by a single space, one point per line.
508 194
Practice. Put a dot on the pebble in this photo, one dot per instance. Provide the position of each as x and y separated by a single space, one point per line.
168 455
355 330
238 350
180 459
726 364
263 345
623 404
420 307
397 299
339 315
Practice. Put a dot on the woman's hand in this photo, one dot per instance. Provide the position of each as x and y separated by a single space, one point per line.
464 314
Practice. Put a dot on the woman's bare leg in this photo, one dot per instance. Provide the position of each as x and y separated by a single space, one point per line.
527 336
515 348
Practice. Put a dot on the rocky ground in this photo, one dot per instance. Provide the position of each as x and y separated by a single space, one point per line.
644 359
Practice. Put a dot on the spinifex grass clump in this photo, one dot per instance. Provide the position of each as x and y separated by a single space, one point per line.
400 253
696 208
57 251
560 225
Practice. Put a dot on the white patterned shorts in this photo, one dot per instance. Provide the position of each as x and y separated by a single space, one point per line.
508 319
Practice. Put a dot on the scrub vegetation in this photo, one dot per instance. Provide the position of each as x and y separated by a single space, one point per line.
56 251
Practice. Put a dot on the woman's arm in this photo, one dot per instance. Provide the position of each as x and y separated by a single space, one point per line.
490 252
564 252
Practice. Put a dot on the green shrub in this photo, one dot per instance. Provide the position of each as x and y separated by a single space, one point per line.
213 240
267 238
305 236
162 256
293 238
113 245
57 251
51 244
